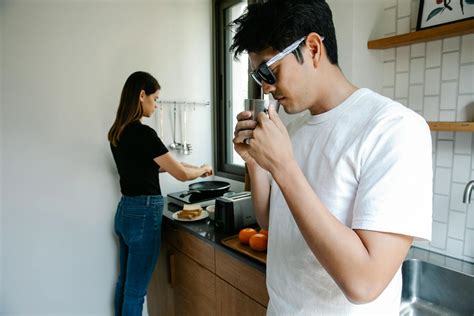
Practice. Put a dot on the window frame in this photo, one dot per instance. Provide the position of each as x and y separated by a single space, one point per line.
221 75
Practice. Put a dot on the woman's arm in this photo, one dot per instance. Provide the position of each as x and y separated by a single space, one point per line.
181 171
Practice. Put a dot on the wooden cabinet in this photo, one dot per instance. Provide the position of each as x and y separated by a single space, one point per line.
231 301
194 287
193 278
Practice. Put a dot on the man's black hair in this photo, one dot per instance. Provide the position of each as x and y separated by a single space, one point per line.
278 23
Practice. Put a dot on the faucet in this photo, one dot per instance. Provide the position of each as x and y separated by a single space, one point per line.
467 192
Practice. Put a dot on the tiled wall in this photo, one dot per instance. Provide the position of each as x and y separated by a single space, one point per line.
436 79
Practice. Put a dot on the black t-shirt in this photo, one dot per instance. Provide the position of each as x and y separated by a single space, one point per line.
138 146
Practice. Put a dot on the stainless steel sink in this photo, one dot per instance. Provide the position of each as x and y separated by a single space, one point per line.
430 289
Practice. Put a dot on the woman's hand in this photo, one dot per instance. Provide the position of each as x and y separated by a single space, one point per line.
207 171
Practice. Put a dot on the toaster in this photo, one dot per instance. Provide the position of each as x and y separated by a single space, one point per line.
234 212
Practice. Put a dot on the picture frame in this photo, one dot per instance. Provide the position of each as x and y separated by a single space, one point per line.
433 13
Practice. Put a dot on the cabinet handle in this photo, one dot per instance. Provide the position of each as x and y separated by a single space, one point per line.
172 276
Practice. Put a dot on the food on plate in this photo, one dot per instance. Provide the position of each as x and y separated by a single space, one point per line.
263 231
192 207
258 242
245 234
189 214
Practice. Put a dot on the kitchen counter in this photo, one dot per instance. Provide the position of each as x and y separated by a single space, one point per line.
205 230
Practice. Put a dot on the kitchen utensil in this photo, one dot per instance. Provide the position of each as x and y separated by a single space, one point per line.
186 147
208 188
174 145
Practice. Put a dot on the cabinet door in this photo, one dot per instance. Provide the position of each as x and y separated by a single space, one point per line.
231 301
160 293
194 286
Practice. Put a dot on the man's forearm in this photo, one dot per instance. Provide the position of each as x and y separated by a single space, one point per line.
260 187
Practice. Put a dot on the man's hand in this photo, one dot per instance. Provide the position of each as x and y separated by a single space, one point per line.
242 133
270 144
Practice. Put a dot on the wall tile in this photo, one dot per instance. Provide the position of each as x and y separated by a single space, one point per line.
455 201
389 21
440 208
442 181
456 225
447 116
431 108
445 136
463 143
389 54
403 25
390 3
450 68
417 70
461 168
451 43
470 215
414 14
465 110
403 59
454 247
432 81
415 97
401 85
438 239
388 74
418 50
449 93
469 243
467 49
444 154
404 8
388 92
433 54
466 80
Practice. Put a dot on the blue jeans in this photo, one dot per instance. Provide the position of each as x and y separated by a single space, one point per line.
138 227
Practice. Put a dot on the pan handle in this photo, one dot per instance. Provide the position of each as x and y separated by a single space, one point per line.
189 193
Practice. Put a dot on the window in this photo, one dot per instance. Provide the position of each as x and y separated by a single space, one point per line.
231 87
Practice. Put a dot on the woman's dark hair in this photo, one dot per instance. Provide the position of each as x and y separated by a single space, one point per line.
130 109
278 23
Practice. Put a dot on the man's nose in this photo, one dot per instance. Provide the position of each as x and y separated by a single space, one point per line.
267 88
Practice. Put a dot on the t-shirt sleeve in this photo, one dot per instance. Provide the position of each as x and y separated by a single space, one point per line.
395 185
152 145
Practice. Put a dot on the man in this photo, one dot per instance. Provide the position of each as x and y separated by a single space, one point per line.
351 181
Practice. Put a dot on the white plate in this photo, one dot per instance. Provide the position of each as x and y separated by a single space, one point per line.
203 215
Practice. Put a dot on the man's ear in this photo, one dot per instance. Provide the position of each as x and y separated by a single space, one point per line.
315 45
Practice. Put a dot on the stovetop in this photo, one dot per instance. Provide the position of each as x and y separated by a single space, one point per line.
203 199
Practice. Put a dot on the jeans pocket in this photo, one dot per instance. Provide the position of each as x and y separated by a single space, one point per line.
133 227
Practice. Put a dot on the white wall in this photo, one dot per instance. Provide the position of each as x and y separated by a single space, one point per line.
63 66
1 151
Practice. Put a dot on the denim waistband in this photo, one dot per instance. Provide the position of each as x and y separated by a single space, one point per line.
142 200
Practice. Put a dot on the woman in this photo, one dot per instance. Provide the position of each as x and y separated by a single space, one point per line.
139 155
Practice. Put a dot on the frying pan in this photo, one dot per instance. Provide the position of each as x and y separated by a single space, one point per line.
210 188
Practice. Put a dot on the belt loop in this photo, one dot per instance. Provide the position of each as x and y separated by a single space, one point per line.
148 201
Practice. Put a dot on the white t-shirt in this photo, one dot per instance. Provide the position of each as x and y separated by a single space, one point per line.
369 161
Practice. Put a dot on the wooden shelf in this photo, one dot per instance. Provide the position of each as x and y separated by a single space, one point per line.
434 33
452 126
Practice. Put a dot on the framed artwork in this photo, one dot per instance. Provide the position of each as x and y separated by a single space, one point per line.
437 12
